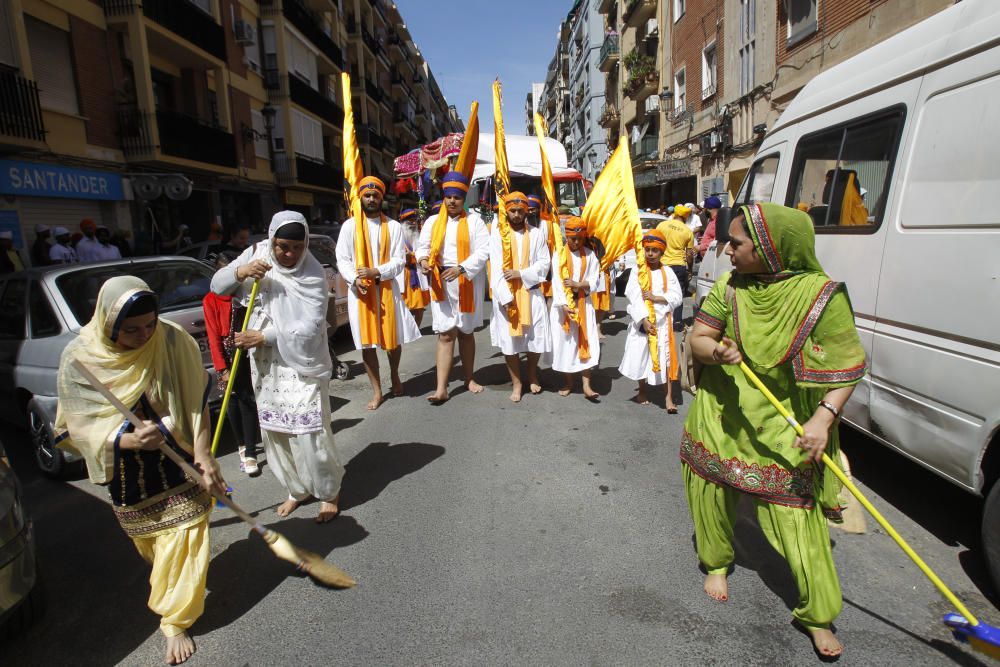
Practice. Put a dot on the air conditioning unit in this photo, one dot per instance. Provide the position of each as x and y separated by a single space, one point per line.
245 32
705 144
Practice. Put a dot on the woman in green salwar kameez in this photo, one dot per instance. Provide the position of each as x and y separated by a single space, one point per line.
781 314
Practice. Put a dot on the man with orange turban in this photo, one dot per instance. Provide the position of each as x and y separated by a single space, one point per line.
88 249
519 323
576 345
371 258
453 250
665 293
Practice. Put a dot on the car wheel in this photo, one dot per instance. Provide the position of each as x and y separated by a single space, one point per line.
49 459
991 534
25 614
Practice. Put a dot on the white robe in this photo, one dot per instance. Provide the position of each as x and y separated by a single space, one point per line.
393 270
88 250
636 362
536 339
565 353
446 313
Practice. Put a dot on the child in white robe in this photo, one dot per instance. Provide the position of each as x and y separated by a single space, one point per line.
571 352
665 293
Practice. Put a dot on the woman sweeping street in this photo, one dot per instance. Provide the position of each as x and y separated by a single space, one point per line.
290 361
154 367
782 315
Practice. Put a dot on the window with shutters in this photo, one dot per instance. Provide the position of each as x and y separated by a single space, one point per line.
8 50
301 59
746 41
709 68
308 135
801 19
52 63
680 90
260 138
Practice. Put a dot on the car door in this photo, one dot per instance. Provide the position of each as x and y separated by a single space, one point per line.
13 320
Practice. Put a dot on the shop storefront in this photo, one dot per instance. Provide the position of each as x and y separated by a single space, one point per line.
677 184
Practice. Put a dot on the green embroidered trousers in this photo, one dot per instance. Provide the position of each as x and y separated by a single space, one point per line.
801 537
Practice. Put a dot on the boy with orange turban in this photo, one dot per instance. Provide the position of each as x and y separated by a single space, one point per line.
665 293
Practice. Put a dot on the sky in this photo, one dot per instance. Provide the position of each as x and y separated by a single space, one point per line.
469 43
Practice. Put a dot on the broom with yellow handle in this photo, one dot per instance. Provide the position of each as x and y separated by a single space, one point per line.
964 626
232 371
306 561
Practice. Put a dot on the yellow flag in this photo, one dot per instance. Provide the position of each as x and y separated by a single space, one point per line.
550 211
501 177
612 217
353 169
466 162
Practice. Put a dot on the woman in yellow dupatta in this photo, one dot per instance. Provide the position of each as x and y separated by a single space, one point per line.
154 367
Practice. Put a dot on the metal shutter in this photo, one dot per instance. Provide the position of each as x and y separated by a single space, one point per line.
56 213
52 65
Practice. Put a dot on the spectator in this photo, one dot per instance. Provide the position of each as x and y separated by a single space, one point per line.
120 240
88 249
237 239
712 206
10 260
106 251
40 248
62 252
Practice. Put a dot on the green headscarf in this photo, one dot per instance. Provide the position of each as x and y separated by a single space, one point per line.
778 312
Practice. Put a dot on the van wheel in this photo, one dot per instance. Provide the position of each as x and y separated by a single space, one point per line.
49 459
991 534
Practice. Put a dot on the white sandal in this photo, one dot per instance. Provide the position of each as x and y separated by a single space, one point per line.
250 467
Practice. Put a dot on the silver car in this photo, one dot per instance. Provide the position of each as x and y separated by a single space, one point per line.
20 600
43 309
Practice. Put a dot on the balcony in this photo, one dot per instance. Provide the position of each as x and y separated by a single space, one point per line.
609 53
276 85
680 114
638 12
708 91
641 87
609 116
283 169
188 138
398 80
396 43
308 24
20 114
181 18
373 91
314 101
604 6
645 150
135 135
371 42
318 173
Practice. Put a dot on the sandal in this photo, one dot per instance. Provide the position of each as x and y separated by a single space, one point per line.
243 459
250 467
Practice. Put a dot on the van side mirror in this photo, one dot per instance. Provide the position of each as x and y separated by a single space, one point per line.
722 220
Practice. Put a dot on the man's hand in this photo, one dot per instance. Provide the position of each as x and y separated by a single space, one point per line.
574 284
648 295
570 311
249 339
255 269
451 274
425 268
211 475
369 273
647 327
511 274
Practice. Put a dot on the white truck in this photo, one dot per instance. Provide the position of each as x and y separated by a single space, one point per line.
909 124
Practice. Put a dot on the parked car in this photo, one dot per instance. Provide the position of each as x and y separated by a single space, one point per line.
650 220
20 597
43 309
323 248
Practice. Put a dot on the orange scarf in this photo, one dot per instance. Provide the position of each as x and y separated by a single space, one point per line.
378 303
520 314
581 301
550 241
673 368
466 296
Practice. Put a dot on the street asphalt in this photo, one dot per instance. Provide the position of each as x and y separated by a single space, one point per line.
551 532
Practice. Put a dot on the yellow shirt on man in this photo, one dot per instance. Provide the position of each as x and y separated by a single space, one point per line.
680 238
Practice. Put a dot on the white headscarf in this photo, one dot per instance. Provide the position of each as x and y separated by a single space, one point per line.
295 299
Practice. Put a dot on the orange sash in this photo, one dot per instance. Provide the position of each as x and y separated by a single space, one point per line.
377 303
581 302
673 368
520 315
466 296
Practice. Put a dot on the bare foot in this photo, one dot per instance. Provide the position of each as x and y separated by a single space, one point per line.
437 398
535 388
590 394
473 387
671 408
602 336
328 511
717 587
287 507
397 386
179 649
565 391
515 394
375 402
641 398
825 642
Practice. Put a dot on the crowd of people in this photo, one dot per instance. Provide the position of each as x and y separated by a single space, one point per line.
778 311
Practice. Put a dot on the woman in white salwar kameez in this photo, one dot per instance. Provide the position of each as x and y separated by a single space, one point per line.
380 268
665 293
571 352
516 293
290 361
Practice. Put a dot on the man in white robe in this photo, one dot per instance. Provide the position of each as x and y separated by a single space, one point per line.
516 290
452 252
361 278
665 293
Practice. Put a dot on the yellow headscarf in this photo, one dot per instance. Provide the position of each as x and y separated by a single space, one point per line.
168 369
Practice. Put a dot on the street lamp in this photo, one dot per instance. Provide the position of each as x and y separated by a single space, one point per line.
268 112
666 99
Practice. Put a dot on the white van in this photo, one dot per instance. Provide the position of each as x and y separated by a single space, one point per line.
896 154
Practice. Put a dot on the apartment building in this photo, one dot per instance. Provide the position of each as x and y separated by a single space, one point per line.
586 148
532 105
147 115
555 105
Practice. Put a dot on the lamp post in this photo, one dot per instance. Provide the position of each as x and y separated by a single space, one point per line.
666 99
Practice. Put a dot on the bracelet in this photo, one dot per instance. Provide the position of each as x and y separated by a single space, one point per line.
715 355
830 406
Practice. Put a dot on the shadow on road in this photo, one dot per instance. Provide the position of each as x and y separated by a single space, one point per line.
380 464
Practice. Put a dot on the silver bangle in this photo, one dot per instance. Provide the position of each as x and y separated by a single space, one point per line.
831 407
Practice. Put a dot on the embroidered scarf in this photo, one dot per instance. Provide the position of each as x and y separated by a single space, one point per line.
520 315
466 296
376 307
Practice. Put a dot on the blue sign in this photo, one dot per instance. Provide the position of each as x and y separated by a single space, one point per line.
35 179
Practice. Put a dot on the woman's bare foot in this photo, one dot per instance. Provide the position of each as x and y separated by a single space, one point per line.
473 387
824 641
566 391
179 649
717 587
287 507
437 398
375 402
516 392
397 386
328 511
535 388
671 408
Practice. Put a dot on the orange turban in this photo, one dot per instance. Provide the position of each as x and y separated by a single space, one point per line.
654 238
516 200
371 183
88 225
576 227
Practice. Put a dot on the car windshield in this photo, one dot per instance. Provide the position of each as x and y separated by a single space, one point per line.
179 284
324 249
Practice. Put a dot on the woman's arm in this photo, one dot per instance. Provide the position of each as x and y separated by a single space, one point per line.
816 431
211 474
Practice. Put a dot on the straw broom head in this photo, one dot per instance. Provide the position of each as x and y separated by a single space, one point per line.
307 561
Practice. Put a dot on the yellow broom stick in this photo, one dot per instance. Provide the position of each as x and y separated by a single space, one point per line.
232 371
882 521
